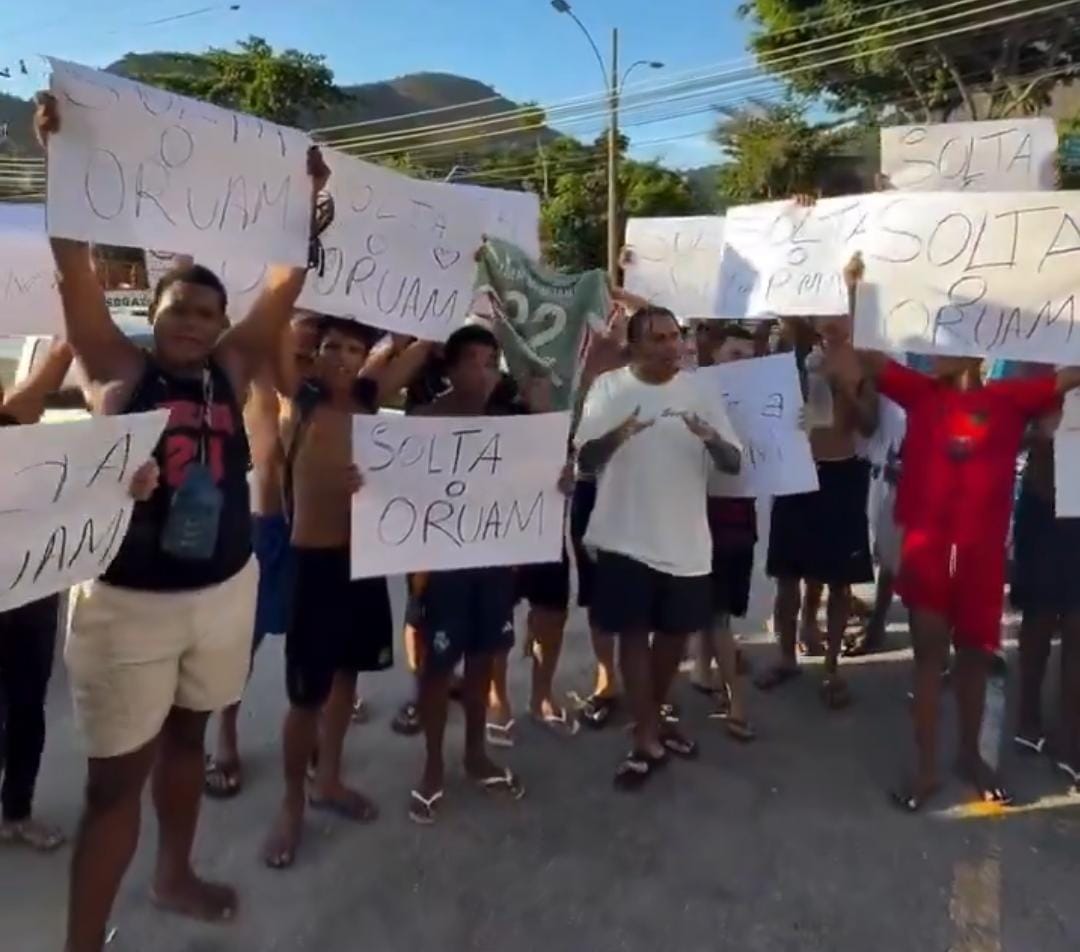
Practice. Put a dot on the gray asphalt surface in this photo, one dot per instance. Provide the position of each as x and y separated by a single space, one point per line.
789 844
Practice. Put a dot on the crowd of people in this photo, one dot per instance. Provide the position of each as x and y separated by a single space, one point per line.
214 561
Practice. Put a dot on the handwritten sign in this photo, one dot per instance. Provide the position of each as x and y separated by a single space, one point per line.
676 263
64 502
29 303
1067 459
457 492
140 167
511 216
763 400
399 254
781 258
972 275
1004 155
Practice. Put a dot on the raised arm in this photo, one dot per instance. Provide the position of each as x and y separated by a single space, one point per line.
105 353
396 370
251 342
26 402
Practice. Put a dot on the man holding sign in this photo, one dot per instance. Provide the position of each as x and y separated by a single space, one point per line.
954 502
165 637
651 433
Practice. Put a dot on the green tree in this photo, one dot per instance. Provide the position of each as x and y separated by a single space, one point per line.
774 152
895 58
279 86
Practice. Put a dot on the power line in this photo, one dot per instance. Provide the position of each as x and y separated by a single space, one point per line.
735 68
803 18
902 44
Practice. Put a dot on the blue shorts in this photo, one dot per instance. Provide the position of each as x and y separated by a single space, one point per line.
270 539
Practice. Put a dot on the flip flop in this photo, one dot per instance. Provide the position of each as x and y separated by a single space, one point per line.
595 710
635 769
669 714
222 781
423 810
500 735
679 745
407 720
38 836
776 676
1071 772
506 781
559 722
1030 745
354 807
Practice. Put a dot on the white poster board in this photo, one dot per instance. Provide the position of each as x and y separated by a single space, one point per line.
987 275
782 258
140 167
1067 459
400 253
676 263
457 492
29 303
510 215
1001 155
764 402
64 501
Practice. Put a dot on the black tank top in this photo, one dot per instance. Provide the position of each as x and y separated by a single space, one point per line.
141 563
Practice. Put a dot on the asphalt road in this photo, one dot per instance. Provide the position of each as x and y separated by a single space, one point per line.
789 844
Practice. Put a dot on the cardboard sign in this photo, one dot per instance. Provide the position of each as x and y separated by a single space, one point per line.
140 167
29 302
764 403
676 263
781 258
457 492
990 275
64 501
1003 155
511 216
399 254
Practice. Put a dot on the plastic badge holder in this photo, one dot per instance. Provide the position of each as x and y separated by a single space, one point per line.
191 530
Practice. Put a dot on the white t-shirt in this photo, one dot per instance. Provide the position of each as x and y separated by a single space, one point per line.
650 499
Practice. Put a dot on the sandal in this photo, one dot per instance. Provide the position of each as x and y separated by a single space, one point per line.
596 710
422 810
559 722
1030 744
407 720
669 714
777 676
835 694
635 768
987 784
222 781
679 745
506 781
911 800
722 710
500 735
28 832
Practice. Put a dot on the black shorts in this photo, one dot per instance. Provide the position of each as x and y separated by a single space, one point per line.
731 573
581 507
466 613
1045 579
546 584
337 624
824 536
634 598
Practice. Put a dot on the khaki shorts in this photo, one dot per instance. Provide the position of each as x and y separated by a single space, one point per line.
133 655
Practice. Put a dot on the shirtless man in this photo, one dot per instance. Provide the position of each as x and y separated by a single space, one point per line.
823 536
338 626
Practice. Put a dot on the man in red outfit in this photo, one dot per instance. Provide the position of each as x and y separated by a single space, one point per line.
953 506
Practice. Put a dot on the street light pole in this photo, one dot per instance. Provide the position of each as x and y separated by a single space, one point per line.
613 164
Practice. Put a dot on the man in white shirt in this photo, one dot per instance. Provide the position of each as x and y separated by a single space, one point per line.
652 434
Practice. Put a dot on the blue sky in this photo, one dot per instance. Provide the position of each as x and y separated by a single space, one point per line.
522 47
